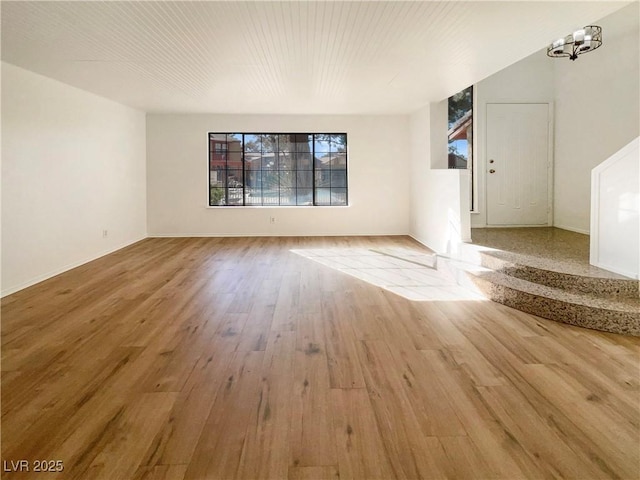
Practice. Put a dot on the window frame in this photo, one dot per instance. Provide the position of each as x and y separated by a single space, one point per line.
471 157
316 173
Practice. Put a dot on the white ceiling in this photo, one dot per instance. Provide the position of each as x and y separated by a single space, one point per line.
282 57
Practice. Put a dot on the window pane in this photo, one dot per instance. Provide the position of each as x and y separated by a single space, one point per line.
252 143
323 196
234 142
234 160
287 179
339 160
253 187
338 143
323 160
234 178
305 179
285 161
339 178
269 161
322 144
304 196
270 194
217 147
269 143
270 179
301 142
216 196
253 179
253 161
323 178
303 161
218 159
216 178
287 196
284 143
253 198
234 195
338 196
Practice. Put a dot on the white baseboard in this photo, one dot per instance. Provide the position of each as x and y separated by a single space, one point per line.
572 229
66 268
249 235
562 227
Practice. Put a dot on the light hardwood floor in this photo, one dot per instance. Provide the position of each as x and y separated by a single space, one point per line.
239 358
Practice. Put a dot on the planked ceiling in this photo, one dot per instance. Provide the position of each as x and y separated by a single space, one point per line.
331 57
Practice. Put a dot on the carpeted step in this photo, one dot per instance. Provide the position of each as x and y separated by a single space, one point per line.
611 314
562 275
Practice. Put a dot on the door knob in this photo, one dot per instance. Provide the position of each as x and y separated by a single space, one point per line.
492 171
491 161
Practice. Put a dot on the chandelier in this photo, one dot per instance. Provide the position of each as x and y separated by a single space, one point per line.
581 41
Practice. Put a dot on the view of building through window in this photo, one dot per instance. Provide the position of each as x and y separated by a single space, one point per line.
277 169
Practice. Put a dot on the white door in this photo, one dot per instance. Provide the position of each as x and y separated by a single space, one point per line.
517 164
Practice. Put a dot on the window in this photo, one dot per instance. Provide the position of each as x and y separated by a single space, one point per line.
277 169
460 133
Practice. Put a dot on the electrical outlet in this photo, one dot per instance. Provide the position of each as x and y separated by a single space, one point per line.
105 233
272 219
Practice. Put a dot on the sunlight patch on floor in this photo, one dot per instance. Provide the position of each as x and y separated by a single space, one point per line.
405 272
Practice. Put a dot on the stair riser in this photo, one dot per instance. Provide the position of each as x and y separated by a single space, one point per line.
626 323
571 283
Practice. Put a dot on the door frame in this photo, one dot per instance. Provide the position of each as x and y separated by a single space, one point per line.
550 162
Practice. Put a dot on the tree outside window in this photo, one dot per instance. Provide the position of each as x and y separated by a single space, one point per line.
460 132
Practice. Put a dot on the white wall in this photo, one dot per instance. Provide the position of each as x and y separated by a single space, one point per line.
73 165
615 212
419 227
597 113
439 118
527 81
378 171
439 197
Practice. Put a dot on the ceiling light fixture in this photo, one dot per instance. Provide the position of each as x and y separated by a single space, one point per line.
581 41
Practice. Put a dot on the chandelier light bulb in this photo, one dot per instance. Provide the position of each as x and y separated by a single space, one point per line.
581 41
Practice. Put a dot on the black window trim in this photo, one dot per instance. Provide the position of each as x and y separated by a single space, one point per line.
313 170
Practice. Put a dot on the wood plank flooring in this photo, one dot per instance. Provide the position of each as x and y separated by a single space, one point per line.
223 358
